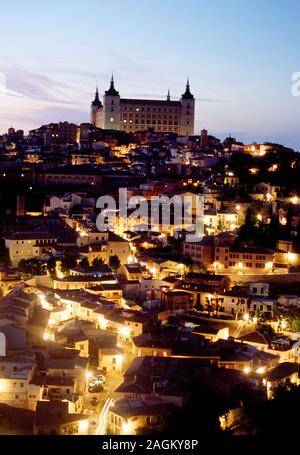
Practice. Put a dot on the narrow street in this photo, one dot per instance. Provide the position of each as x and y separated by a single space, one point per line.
105 399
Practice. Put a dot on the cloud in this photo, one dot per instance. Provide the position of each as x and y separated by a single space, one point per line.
23 83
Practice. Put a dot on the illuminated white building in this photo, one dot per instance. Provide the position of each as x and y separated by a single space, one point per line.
132 115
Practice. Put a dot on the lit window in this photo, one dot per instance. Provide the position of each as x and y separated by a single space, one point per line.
111 119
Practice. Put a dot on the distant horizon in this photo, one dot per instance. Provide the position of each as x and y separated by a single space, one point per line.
240 60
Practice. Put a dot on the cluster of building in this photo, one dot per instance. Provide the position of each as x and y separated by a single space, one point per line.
161 317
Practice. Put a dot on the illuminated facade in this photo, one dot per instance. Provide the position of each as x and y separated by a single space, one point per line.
132 115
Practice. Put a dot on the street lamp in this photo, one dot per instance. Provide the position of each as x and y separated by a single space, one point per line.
83 426
181 268
284 324
260 370
294 200
290 258
125 428
246 317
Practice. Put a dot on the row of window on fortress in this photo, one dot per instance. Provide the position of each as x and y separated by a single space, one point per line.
148 122
170 111
148 108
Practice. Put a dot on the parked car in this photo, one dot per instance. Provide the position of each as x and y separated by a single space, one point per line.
95 382
96 388
100 377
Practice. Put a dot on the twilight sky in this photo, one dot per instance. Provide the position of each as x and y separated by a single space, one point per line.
239 55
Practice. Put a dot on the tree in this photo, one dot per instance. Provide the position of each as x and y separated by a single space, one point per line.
267 415
248 231
209 305
31 267
98 262
197 267
4 256
67 262
294 323
84 262
51 265
114 263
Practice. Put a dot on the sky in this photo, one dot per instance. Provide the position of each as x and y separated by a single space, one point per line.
239 56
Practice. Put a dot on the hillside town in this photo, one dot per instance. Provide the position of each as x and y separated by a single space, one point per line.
138 328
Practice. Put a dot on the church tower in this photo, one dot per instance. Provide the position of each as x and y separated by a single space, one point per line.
112 108
187 112
96 115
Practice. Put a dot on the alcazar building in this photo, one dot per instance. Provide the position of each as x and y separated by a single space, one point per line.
132 115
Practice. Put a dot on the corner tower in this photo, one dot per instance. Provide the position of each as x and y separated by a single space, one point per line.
96 113
187 112
112 108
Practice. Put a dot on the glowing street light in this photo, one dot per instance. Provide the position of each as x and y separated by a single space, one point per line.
246 317
268 197
216 265
284 324
124 332
260 370
83 426
153 270
240 266
291 257
283 221
125 428
295 200
269 265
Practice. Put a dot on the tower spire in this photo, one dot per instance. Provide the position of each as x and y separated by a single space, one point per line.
97 101
168 95
112 91
187 94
